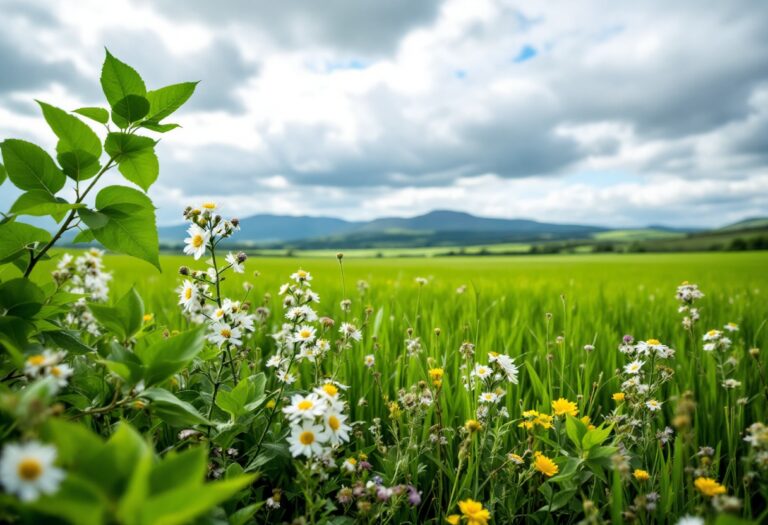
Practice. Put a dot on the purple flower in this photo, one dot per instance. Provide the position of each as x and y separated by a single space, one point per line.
414 496
628 339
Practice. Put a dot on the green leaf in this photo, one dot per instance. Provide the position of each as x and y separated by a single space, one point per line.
135 156
123 319
31 168
244 398
15 237
159 128
575 430
166 100
171 409
179 470
118 80
169 356
40 202
3 175
85 236
78 501
131 108
75 444
68 341
180 506
137 490
14 334
596 436
21 298
100 115
79 148
131 227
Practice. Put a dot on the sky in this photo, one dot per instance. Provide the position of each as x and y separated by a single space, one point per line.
596 112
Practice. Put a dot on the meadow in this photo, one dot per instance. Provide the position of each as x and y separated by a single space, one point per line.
562 320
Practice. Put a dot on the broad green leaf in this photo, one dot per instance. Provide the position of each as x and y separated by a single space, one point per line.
169 356
75 444
596 436
14 334
244 515
123 319
21 298
166 100
131 108
68 341
137 490
575 430
15 237
31 168
171 409
179 470
93 219
40 203
100 115
180 506
113 465
3 176
79 148
131 227
135 156
118 80
84 236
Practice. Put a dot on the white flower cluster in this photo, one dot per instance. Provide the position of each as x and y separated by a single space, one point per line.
318 422
639 383
83 275
687 294
228 321
716 340
48 364
490 379
757 437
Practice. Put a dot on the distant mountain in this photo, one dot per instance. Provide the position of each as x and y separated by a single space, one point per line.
436 228
747 224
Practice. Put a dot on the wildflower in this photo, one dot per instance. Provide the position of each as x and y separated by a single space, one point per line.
588 422
335 427
304 407
473 425
641 475
474 512
690 520
516 458
653 405
544 465
489 397
301 276
421 281
306 439
369 360
38 363
482 371
709 487
350 464
634 367
562 406
350 331
731 327
453 519
187 295
61 372
236 262
27 470
618 397
730 384
196 242
507 365
223 333
305 334
436 375
589 348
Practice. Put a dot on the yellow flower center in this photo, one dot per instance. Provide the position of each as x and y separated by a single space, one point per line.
653 342
226 332
30 469
209 205
148 317
305 334
712 333
305 404
334 423
481 371
302 274
197 240
307 437
55 371
330 389
36 360
188 293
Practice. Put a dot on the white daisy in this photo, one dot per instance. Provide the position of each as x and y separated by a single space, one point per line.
350 464
482 371
27 470
274 361
369 360
305 334
712 335
489 397
61 372
196 242
507 364
236 265
634 367
653 405
731 327
335 427
307 407
306 439
35 364
223 333
350 331
187 295
301 276
286 377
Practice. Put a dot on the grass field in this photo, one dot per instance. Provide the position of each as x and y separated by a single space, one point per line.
541 311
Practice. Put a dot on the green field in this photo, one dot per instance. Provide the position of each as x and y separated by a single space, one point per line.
541 311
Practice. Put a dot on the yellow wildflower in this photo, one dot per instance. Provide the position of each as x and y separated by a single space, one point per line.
474 512
709 487
618 397
544 465
641 475
562 406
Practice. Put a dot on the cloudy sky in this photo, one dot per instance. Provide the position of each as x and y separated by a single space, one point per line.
599 112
